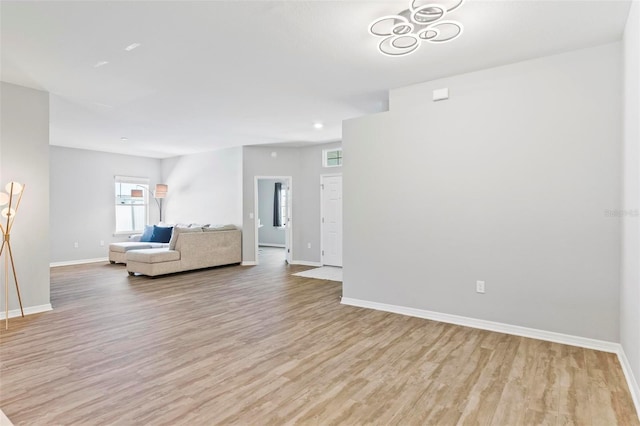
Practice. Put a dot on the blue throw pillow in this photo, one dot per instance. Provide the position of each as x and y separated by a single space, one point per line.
146 234
161 234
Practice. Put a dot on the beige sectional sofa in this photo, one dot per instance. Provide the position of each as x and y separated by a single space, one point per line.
189 248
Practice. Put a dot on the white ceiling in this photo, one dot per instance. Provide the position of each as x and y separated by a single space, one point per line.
212 74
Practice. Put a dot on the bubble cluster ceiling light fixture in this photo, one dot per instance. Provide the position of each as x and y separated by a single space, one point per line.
424 21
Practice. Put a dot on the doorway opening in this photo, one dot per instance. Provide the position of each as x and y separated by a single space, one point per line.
273 222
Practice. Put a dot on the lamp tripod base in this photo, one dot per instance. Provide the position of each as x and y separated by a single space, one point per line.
9 256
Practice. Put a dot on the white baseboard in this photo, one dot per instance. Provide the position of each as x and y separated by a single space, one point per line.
271 245
78 262
249 263
29 310
305 263
634 389
4 420
550 336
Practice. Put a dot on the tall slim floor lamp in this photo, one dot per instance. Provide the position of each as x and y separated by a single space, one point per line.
9 212
159 193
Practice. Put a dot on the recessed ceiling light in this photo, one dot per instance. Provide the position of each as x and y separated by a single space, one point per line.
123 139
318 125
100 64
130 47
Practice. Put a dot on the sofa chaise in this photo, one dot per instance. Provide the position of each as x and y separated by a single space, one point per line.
118 251
189 249
154 236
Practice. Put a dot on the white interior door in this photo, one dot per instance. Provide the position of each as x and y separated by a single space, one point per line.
332 220
287 220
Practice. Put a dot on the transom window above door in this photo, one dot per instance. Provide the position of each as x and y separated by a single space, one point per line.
332 157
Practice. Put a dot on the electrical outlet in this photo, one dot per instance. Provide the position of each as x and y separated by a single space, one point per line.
101 243
76 245
479 286
308 245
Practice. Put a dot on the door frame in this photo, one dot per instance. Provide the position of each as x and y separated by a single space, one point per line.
322 177
289 232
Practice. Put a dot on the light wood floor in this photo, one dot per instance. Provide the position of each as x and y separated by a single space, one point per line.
254 345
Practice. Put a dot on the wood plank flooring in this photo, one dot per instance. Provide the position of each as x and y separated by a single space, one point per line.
255 345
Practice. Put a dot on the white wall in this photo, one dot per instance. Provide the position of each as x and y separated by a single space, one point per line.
24 148
305 167
82 200
268 234
506 182
204 188
630 288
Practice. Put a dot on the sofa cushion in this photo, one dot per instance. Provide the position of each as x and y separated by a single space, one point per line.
161 234
125 247
180 230
146 234
153 255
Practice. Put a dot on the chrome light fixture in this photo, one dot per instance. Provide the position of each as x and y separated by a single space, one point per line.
424 21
